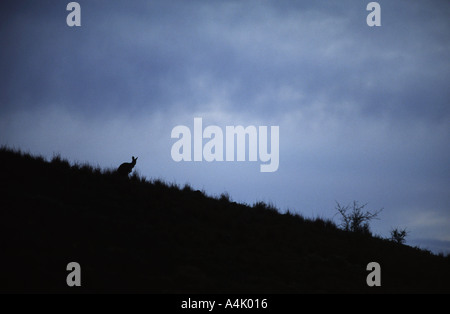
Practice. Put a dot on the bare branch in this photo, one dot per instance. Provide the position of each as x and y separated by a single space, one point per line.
353 217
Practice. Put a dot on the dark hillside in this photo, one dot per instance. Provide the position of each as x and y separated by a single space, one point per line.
131 235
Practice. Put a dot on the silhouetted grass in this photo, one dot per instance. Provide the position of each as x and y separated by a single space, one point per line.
146 235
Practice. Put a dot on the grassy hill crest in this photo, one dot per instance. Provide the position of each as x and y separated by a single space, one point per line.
138 235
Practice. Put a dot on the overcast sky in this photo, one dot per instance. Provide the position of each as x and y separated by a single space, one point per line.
363 111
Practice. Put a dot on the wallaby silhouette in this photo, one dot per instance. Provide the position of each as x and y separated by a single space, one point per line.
125 169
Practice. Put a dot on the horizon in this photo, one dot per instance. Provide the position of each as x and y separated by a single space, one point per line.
363 112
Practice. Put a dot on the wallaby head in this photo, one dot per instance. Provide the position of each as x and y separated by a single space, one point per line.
133 160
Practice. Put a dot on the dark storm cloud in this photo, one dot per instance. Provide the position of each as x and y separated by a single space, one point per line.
109 64
156 55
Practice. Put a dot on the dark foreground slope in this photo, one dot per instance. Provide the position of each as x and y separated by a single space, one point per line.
136 236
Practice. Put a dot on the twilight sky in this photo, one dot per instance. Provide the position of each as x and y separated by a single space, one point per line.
363 112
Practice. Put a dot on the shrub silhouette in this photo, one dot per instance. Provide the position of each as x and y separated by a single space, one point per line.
399 235
225 197
354 219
